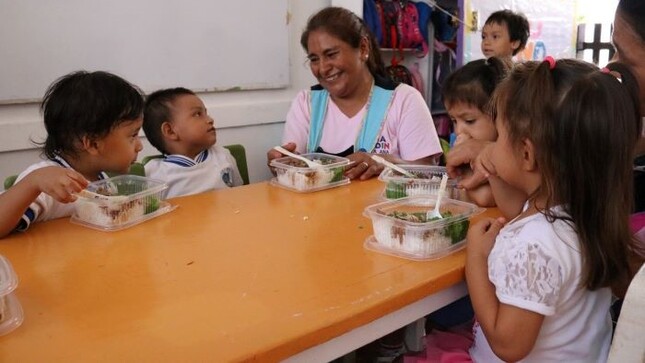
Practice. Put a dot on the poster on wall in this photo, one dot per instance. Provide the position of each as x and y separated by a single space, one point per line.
552 23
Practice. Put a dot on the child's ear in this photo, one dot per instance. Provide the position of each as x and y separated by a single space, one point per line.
90 145
528 161
168 131
515 44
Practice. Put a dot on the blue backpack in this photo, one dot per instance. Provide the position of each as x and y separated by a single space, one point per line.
372 19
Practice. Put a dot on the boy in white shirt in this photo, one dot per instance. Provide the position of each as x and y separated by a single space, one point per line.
177 123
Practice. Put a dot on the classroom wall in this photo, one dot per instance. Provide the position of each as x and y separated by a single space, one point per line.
252 118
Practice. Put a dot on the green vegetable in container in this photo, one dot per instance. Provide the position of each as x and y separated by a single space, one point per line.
395 190
152 204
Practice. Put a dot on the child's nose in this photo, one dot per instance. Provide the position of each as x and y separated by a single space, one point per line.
139 145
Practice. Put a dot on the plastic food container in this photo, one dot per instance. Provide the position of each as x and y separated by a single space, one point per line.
400 228
120 202
427 182
11 314
294 174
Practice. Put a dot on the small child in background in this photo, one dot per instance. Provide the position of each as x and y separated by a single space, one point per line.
504 34
466 95
92 122
177 123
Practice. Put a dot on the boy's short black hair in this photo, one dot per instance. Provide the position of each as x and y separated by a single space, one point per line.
86 104
157 111
516 23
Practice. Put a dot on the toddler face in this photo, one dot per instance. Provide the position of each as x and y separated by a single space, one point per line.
120 147
471 123
496 41
192 124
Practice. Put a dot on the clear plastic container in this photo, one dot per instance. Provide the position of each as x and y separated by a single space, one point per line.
11 314
398 185
400 228
121 202
294 174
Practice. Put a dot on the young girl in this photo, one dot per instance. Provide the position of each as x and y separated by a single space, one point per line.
466 94
569 149
92 122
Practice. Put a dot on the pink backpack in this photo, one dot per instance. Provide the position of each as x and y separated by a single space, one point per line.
408 26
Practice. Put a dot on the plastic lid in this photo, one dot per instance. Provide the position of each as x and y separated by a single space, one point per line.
11 313
8 278
428 174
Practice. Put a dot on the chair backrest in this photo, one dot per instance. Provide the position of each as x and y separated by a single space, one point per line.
628 344
238 152
8 182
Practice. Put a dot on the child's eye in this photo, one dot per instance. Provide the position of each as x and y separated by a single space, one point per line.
332 55
313 59
470 122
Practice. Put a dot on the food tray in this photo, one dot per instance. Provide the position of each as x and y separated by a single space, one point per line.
414 238
295 175
398 185
124 201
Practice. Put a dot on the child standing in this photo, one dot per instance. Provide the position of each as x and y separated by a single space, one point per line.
504 34
466 94
92 122
551 268
177 123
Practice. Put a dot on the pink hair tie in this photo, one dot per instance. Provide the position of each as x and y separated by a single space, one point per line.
550 60
605 70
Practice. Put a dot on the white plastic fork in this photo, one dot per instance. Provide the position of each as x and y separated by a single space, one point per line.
390 165
434 213
92 195
310 163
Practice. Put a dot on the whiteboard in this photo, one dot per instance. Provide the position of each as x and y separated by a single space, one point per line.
204 45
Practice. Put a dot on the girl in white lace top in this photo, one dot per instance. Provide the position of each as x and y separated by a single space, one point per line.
540 285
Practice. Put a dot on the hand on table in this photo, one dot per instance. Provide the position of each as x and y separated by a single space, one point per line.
362 166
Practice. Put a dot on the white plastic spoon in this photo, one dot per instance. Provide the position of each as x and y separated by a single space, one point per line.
434 213
380 160
310 163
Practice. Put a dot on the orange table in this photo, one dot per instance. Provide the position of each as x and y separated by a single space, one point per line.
253 273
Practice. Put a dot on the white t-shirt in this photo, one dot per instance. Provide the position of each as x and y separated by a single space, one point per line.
537 266
44 207
408 133
214 168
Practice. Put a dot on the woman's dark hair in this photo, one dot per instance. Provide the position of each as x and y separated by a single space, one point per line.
346 26
631 83
582 123
516 23
157 111
86 104
474 83
633 11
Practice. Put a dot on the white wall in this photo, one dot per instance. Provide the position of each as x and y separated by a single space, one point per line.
252 118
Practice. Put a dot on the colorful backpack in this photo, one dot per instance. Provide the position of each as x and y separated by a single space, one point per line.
408 27
398 72
372 18
390 20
